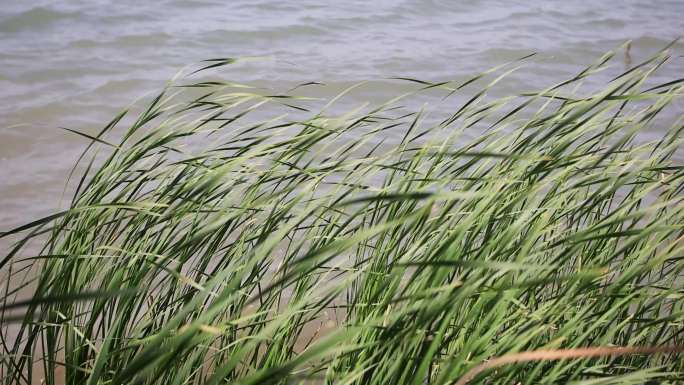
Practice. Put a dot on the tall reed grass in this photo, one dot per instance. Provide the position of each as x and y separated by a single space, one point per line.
528 239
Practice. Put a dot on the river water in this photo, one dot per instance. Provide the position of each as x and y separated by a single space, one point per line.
75 63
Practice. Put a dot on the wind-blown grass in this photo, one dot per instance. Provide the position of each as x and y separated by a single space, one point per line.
375 247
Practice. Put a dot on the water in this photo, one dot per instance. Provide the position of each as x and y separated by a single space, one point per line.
76 63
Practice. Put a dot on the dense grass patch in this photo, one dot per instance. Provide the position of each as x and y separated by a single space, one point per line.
218 240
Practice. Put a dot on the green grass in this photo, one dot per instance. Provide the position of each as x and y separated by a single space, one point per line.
216 240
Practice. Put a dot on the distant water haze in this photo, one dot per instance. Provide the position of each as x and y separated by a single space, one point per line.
76 63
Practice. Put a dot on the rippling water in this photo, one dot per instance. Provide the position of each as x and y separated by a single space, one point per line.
76 63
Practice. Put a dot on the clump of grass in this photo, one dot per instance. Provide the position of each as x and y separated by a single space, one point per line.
379 246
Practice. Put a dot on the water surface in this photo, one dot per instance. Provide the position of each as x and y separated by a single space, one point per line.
76 63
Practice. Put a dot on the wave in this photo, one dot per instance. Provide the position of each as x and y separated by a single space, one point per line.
36 17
